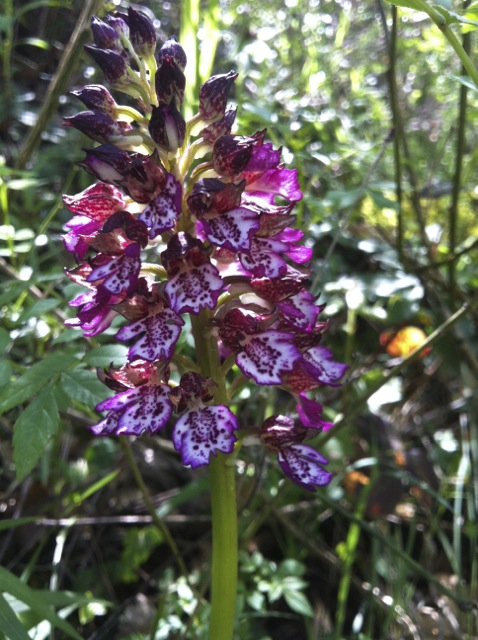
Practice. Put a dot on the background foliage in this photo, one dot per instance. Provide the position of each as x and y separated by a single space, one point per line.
372 106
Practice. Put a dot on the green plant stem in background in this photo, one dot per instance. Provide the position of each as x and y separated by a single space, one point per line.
59 83
161 526
223 498
457 179
394 104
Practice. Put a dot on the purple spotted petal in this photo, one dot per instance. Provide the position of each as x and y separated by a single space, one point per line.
302 464
281 182
232 230
310 414
327 370
263 258
266 356
162 212
134 411
158 334
300 310
120 400
194 289
120 273
198 434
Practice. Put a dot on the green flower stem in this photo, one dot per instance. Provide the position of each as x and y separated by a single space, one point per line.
223 498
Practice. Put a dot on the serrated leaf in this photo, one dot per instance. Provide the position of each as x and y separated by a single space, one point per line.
105 355
83 387
9 623
34 380
298 603
35 427
35 601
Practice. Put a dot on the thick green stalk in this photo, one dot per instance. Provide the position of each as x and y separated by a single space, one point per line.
223 498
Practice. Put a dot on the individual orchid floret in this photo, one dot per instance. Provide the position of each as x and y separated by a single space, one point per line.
139 175
162 212
219 128
201 431
98 126
314 369
138 409
96 313
105 35
167 127
300 462
99 201
231 154
82 230
173 50
170 82
300 311
117 274
97 98
261 353
142 33
194 283
118 22
111 63
156 333
213 96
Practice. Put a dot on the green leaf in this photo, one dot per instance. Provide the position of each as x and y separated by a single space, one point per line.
9 623
105 355
83 387
5 372
39 309
35 427
35 600
11 523
298 603
33 381
4 339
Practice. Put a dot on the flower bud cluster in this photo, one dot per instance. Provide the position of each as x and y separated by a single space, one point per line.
180 225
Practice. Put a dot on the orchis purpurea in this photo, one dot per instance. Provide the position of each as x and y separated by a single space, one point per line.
187 218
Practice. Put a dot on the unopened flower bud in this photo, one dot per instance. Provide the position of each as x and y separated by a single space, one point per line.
213 95
104 35
231 154
118 22
174 50
212 194
169 82
279 432
107 163
167 127
110 62
96 97
141 32
220 128
97 125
